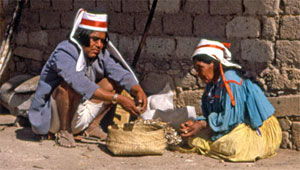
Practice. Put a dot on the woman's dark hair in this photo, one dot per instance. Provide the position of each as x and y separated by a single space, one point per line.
204 58
83 37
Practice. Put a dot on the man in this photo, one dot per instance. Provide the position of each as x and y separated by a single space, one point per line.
79 81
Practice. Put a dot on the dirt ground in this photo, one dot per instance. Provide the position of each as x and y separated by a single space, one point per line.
20 149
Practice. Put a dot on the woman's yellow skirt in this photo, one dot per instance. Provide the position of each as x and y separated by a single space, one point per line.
242 143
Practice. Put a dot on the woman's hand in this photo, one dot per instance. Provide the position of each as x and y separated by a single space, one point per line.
140 96
190 127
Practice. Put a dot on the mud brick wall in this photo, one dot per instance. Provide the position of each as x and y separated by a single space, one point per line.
265 37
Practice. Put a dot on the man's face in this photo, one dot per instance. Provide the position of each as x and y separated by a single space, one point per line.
97 40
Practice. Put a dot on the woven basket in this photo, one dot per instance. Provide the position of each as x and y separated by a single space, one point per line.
136 140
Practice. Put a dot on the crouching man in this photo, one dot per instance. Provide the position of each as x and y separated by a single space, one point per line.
78 84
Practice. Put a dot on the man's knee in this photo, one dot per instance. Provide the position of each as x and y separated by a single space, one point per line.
109 85
64 92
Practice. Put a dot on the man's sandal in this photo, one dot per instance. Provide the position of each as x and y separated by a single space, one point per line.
65 139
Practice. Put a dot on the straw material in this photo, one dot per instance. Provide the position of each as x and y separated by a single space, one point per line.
136 139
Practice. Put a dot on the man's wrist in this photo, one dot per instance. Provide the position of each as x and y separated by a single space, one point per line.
114 101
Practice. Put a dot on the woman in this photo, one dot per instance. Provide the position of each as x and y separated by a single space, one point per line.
237 122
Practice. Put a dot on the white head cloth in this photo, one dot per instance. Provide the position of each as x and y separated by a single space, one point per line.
217 51
90 21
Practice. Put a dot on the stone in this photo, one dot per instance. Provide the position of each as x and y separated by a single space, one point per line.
39 4
22 38
128 46
262 7
190 98
121 23
167 6
285 123
290 27
154 83
285 142
226 7
177 24
160 46
185 47
292 6
135 5
286 105
155 27
62 5
273 79
89 5
209 26
269 28
29 53
192 6
243 27
258 53
56 36
296 135
30 20
185 81
67 20
49 20
288 52
38 39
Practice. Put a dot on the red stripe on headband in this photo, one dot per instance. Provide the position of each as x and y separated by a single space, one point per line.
93 23
213 46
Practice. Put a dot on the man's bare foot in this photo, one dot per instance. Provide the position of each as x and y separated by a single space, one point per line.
65 139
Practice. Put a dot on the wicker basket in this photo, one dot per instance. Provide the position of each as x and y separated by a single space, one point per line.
137 139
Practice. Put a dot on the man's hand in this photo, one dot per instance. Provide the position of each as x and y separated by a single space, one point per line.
128 105
140 96
190 127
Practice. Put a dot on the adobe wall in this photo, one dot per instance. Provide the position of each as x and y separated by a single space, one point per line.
265 37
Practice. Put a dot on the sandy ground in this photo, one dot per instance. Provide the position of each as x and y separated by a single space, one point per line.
20 149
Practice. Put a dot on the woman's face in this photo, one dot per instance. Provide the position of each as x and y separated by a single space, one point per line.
205 71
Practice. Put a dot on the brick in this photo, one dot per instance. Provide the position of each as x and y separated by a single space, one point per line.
269 28
155 27
22 38
160 46
288 52
38 39
257 51
185 47
185 81
154 83
67 19
21 66
209 26
243 27
29 53
225 7
290 27
39 4
167 6
128 46
273 79
85 4
62 5
292 6
262 7
296 135
196 7
286 105
135 5
8 7
177 24
50 20
121 23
